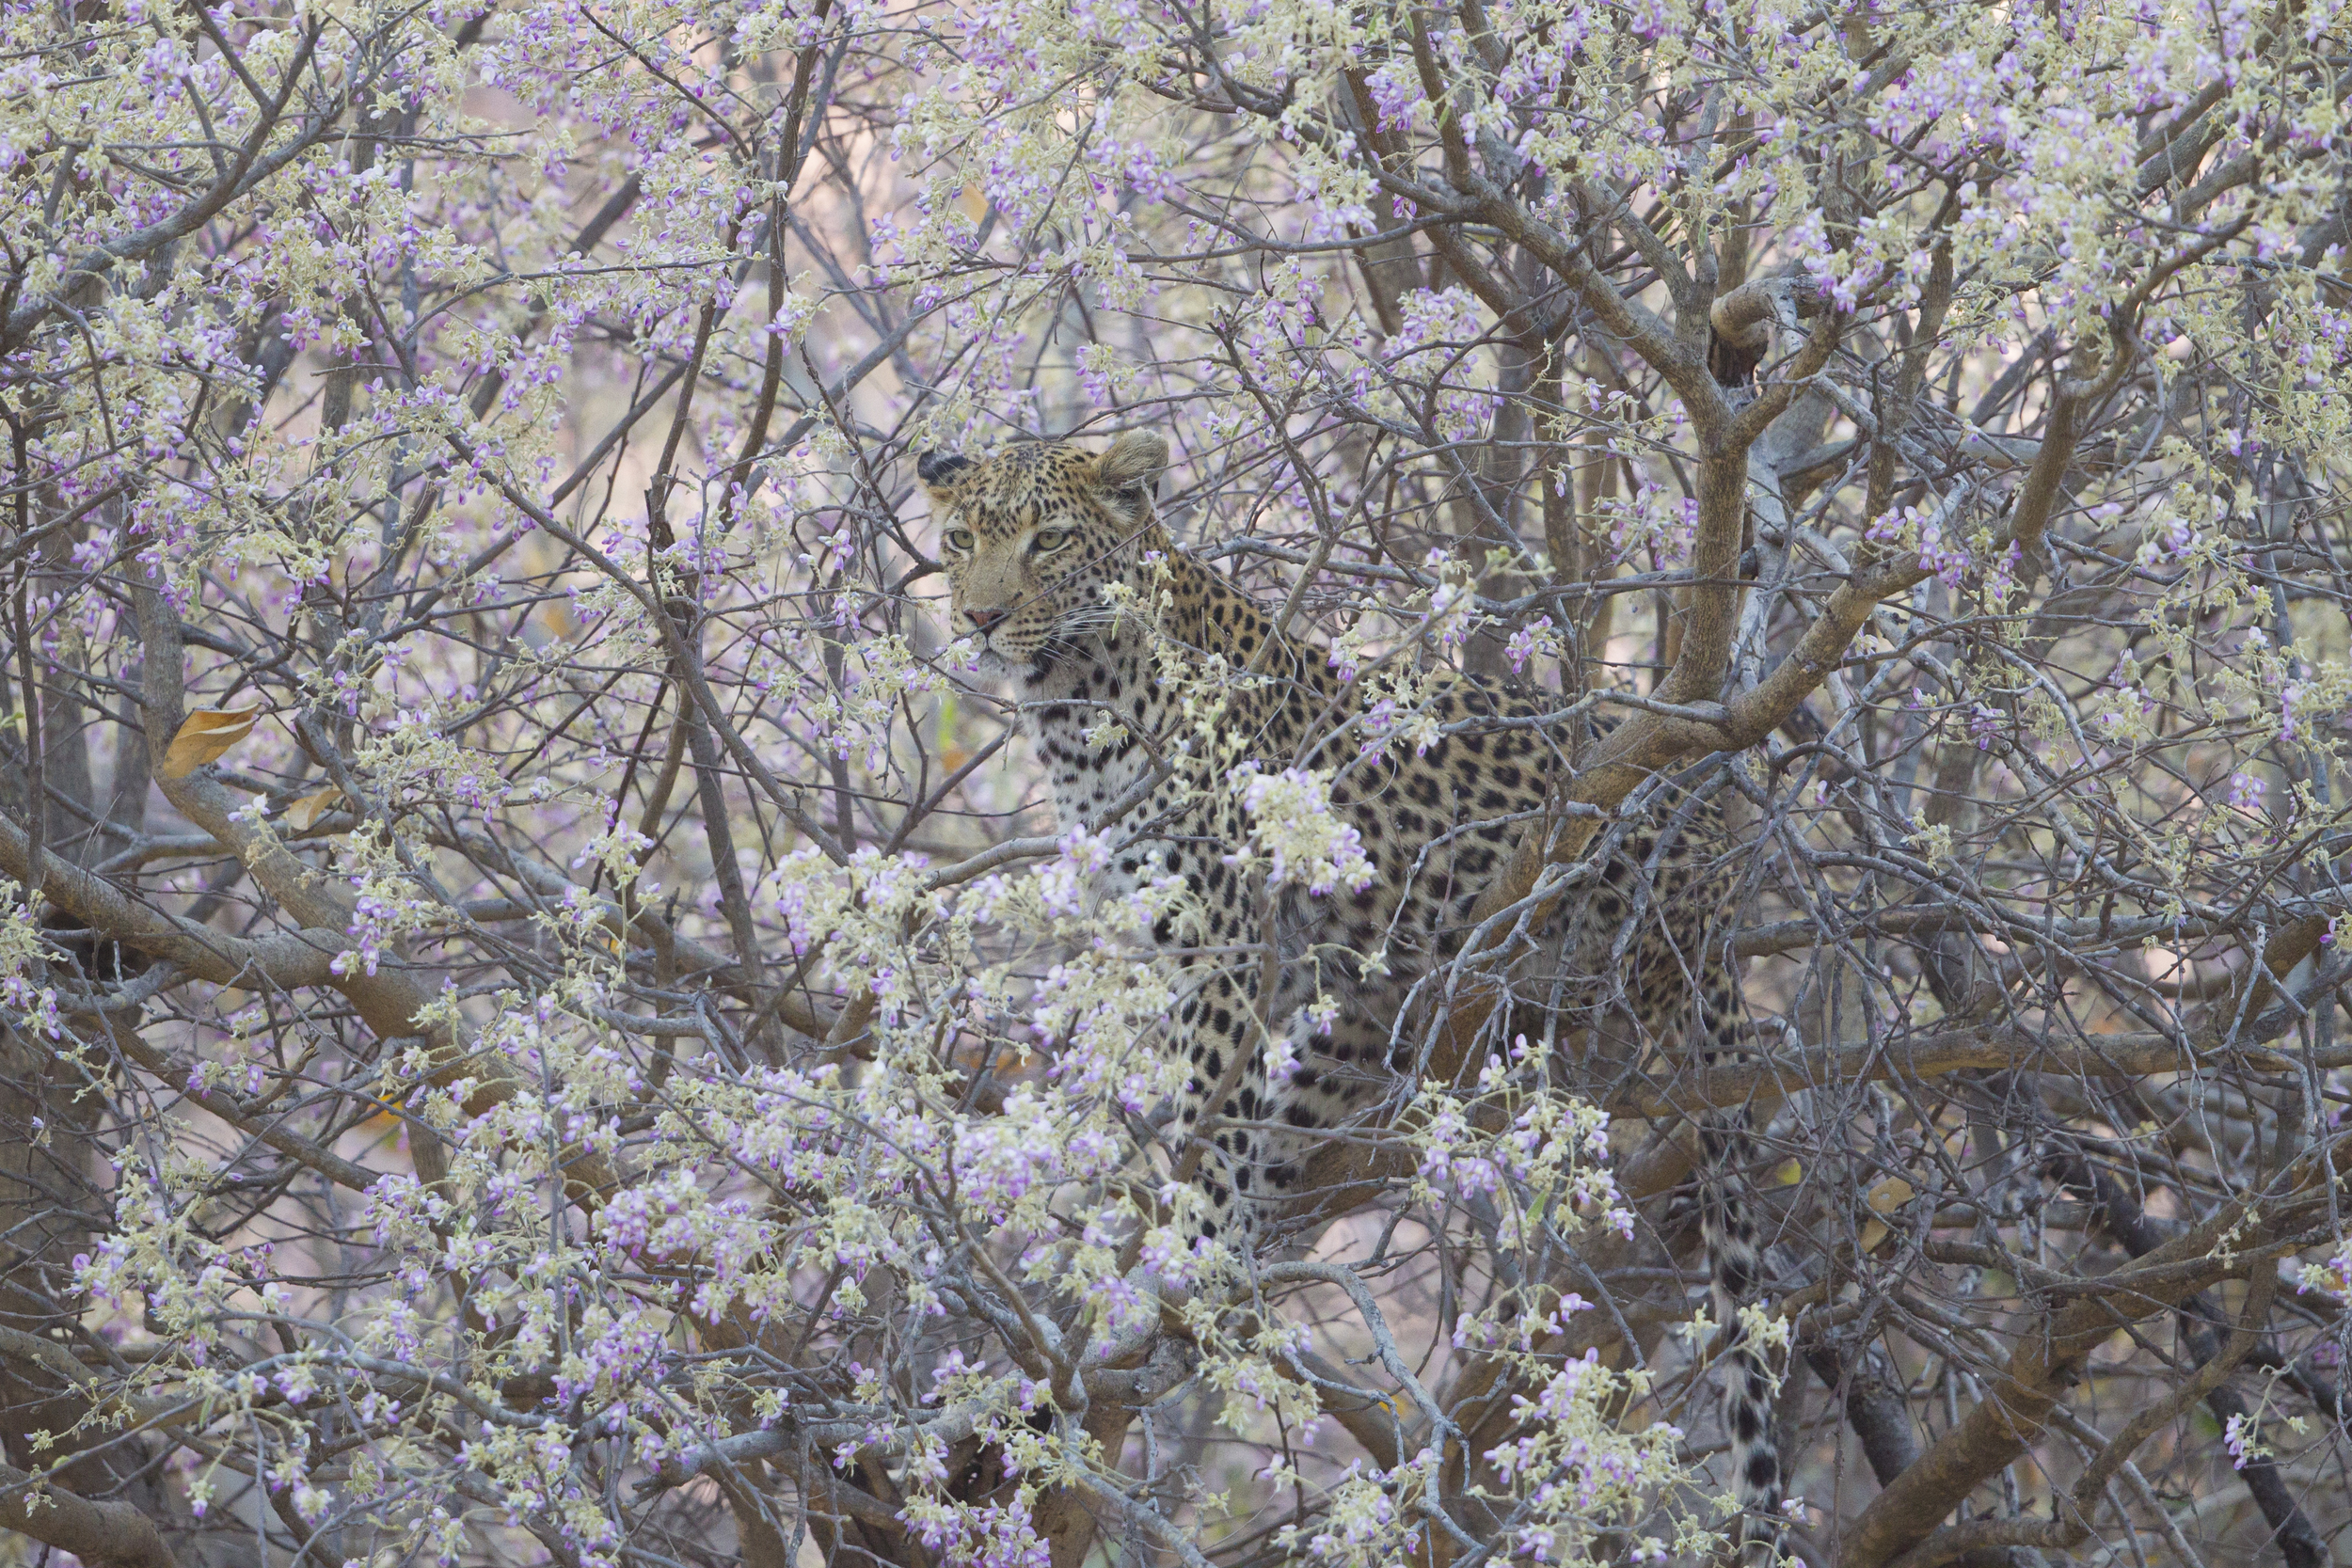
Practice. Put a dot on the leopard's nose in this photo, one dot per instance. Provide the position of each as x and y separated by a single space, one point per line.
983 619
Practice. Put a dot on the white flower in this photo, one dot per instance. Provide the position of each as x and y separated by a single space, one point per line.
1294 825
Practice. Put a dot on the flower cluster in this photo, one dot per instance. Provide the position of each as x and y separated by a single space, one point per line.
1296 828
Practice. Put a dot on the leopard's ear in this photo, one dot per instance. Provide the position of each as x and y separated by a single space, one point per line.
1132 465
938 471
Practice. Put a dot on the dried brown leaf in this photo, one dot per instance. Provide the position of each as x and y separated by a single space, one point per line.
1887 1196
206 735
304 814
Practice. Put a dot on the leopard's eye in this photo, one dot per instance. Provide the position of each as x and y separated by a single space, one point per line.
1051 539
959 539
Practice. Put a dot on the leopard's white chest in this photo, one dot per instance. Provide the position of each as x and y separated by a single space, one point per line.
1098 732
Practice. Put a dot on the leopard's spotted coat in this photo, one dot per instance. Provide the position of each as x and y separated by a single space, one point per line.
1029 538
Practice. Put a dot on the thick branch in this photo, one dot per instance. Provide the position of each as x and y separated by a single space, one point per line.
102 1534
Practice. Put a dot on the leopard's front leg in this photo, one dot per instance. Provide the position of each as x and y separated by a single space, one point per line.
1219 1138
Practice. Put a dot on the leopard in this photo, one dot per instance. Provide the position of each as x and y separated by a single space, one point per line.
1064 581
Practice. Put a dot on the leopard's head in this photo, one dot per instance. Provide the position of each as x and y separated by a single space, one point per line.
1029 536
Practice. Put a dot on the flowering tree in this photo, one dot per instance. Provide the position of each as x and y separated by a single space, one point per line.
547 1020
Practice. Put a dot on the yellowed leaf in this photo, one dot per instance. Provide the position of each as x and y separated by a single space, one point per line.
1887 1196
304 814
206 735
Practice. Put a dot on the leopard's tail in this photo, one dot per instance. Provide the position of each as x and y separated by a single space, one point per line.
1734 1267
